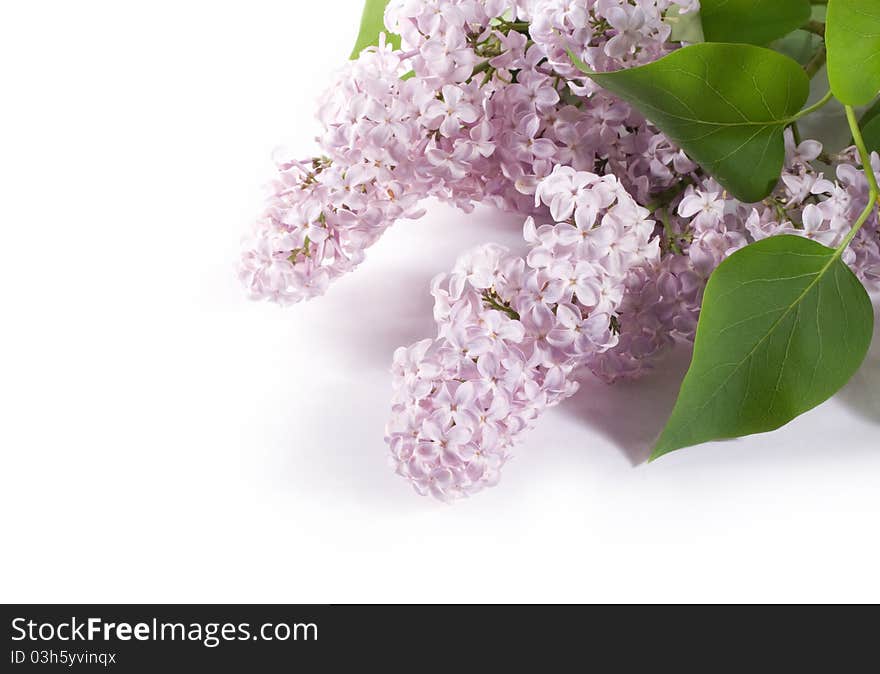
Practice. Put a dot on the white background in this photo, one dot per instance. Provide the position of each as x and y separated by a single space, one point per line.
164 439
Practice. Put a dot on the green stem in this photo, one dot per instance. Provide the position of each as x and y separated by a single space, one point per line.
662 199
815 64
873 189
493 302
818 104
667 231
486 67
482 67
863 150
858 224
518 26
815 27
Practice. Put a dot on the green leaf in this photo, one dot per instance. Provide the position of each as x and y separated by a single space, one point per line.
752 21
870 126
684 27
784 325
871 134
852 35
870 113
799 45
373 23
724 104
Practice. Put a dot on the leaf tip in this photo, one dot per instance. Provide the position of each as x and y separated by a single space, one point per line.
668 441
658 451
578 62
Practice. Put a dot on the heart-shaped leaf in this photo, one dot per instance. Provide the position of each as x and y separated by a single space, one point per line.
373 23
784 325
724 104
752 21
852 36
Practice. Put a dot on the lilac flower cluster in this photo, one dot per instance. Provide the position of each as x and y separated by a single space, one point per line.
603 287
482 105
469 111
606 34
809 204
512 331
325 211
703 225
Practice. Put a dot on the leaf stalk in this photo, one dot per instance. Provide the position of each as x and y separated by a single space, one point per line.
814 27
873 189
812 108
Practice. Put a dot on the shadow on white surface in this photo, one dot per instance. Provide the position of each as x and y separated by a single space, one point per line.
862 393
386 302
631 414
326 440
376 315
330 443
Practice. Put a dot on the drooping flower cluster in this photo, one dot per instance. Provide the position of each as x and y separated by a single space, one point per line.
325 211
596 290
482 105
482 118
512 331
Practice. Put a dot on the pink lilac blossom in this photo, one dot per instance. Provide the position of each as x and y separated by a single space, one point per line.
809 204
511 333
482 105
602 288
607 35
324 212
483 119
704 226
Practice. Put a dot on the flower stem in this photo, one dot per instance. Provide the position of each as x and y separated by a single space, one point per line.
863 150
873 189
815 64
664 198
815 27
493 301
671 239
865 214
518 26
